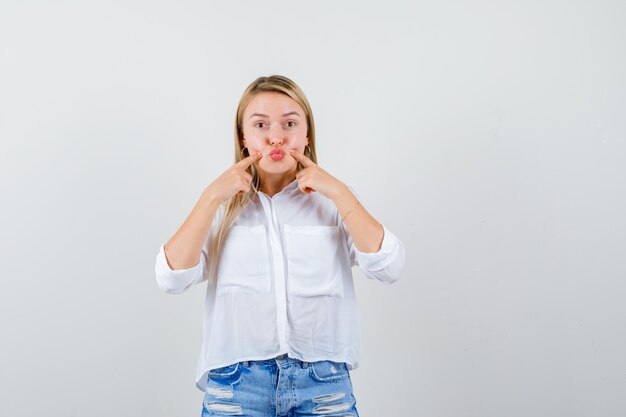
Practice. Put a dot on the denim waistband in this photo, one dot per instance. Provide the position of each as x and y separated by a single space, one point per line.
280 359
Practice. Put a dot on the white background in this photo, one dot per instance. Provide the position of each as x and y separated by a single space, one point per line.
489 136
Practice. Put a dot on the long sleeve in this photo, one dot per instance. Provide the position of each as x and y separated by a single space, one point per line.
386 264
177 281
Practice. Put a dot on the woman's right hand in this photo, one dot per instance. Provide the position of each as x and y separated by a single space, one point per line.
235 180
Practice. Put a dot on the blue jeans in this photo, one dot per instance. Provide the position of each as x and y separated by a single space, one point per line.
281 386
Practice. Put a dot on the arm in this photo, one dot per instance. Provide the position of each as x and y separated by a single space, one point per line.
181 261
367 233
385 264
183 249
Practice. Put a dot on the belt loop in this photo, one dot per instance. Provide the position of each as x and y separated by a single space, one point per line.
245 363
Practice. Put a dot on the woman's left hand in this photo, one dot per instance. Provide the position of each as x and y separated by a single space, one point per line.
314 178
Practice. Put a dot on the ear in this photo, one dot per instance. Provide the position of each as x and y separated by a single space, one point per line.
244 143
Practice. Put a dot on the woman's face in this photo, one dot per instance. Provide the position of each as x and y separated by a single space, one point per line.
273 123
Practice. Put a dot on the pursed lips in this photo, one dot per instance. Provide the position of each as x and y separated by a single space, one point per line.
277 154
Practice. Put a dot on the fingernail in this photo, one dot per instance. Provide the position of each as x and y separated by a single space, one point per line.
258 154
292 150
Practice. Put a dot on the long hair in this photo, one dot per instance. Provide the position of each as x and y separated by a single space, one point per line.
232 207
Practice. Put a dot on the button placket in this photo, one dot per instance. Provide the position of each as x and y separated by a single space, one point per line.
278 269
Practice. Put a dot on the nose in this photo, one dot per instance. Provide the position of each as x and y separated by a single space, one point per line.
276 136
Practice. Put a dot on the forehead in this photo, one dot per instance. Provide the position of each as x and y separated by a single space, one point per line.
272 104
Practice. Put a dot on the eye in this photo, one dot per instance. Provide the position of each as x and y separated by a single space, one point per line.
258 123
291 125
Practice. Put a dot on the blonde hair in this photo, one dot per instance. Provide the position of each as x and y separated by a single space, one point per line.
233 206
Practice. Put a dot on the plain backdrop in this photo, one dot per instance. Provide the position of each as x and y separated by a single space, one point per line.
489 136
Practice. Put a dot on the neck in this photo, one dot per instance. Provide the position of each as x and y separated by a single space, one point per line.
273 183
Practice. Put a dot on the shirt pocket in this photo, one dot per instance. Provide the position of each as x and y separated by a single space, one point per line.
314 260
244 261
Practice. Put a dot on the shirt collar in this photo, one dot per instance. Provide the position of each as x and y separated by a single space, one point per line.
292 185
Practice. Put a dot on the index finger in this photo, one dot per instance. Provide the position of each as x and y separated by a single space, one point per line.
246 162
306 162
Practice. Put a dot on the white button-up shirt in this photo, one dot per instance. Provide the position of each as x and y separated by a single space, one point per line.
284 283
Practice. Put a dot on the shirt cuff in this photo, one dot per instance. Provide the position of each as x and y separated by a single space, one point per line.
374 261
175 281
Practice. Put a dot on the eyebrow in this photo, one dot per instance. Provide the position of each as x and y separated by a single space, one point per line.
265 115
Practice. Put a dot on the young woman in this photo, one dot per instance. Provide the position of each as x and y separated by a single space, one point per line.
275 237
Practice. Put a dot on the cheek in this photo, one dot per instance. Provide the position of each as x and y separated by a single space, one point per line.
299 141
253 142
